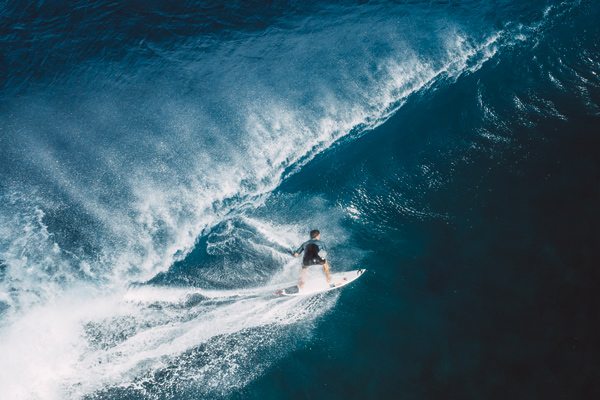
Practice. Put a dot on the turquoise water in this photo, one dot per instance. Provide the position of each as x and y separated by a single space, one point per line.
158 162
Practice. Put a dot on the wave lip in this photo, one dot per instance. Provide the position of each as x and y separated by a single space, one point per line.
195 164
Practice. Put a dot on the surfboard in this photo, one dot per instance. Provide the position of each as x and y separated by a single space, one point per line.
315 286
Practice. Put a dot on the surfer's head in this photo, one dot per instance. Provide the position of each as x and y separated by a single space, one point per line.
314 234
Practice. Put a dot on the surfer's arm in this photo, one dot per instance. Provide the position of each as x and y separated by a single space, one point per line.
300 250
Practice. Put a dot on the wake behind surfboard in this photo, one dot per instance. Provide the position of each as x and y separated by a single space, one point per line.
338 280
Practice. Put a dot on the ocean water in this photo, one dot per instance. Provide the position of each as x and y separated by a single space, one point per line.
158 162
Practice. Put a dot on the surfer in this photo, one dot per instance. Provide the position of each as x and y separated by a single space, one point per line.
311 249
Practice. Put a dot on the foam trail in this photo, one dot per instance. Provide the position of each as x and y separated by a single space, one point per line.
125 339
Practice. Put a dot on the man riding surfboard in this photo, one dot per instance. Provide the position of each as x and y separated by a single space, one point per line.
311 249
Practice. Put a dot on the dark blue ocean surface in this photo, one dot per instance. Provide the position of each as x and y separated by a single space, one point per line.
159 161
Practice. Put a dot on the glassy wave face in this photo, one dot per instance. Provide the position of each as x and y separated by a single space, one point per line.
159 162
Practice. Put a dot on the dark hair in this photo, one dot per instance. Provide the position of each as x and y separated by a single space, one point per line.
314 233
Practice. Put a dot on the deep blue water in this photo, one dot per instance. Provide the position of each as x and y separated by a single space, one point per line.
158 161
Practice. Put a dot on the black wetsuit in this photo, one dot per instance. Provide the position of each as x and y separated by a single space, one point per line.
311 250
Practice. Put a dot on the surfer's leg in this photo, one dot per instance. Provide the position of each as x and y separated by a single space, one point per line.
327 273
302 278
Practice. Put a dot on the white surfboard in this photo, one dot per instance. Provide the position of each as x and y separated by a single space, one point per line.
314 286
